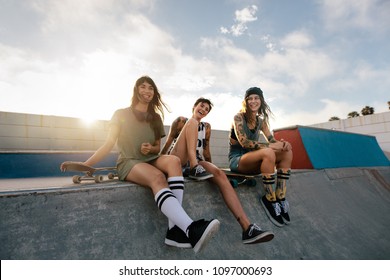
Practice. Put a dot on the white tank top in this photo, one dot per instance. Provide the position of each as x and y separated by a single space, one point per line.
201 141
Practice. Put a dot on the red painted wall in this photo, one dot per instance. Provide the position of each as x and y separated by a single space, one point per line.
301 159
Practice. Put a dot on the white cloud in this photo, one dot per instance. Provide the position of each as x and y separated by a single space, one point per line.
242 17
363 14
118 46
298 68
360 82
269 44
73 15
297 39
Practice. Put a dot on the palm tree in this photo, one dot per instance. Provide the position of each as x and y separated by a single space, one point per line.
367 111
334 118
353 114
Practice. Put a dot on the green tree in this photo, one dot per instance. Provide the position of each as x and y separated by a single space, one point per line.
353 114
367 111
334 118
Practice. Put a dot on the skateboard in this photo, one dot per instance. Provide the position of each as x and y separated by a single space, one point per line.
89 172
237 179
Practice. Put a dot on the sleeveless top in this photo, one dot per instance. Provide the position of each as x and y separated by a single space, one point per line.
251 134
201 141
200 144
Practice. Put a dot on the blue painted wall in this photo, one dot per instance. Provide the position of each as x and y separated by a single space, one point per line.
25 165
334 149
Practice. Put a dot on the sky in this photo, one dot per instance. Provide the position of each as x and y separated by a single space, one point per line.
313 59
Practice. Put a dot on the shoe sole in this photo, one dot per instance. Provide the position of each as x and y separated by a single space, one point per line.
286 221
209 232
276 223
264 237
201 178
178 245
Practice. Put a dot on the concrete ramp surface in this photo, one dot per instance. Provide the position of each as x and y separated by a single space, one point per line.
337 214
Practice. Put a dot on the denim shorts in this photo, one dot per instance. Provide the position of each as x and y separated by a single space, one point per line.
235 153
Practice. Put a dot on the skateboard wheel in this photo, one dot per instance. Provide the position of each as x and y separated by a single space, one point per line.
111 176
234 183
251 183
98 178
76 179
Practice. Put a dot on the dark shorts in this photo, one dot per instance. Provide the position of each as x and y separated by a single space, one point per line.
235 153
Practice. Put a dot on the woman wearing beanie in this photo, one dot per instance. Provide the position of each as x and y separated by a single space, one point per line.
254 150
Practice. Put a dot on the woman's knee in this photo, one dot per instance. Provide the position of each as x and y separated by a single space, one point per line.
268 154
285 159
173 164
218 173
158 181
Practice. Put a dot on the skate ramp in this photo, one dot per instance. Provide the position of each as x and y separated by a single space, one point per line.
323 148
337 214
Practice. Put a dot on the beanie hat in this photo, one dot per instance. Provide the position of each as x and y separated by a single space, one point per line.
254 90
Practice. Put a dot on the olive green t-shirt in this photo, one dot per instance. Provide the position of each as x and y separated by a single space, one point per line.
132 133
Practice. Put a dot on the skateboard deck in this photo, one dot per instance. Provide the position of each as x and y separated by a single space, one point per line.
88 172
236 179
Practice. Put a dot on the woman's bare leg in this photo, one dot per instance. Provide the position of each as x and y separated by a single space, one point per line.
228 193
185 146
147 175
258 161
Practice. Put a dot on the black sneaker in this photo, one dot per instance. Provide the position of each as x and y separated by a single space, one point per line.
272 209
186 170
200 232
199 173
285 207
254 234
177 238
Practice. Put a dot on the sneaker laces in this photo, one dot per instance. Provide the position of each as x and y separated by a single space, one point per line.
252 228
285 206
199 169
277 209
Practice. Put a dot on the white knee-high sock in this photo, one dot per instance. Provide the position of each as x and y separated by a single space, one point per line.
171 208
176 184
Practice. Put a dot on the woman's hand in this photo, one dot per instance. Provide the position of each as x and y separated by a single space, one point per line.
146 148
282 146
286 145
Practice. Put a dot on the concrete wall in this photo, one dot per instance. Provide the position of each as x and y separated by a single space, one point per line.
377 125
40 133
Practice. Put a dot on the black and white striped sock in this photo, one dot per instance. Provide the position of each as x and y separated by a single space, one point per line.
169 205
176 184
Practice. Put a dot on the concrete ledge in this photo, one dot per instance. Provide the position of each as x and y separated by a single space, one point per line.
337 214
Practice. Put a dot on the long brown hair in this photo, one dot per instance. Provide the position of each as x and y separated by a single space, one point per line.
156 106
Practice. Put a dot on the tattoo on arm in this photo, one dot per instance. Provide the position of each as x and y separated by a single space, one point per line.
271 139
206 148
174 132
241 135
